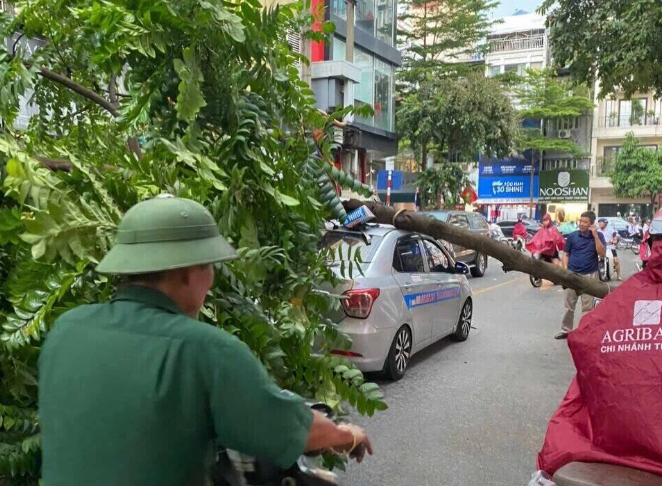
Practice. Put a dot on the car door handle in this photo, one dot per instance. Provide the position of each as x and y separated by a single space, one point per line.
409 285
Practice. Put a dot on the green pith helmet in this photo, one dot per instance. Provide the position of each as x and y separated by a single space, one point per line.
165 233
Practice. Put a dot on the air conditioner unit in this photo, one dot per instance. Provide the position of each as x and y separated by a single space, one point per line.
565 133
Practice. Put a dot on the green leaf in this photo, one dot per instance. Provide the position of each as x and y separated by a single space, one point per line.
286 200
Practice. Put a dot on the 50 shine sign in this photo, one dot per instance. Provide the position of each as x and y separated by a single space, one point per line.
564 185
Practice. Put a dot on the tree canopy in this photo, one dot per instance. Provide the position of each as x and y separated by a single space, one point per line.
617 42
638 171
543 98
197 98
441 31
459 118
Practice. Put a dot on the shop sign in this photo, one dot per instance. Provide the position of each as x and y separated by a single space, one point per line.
507 187
564 185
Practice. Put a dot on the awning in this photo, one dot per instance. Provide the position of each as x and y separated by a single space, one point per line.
498 200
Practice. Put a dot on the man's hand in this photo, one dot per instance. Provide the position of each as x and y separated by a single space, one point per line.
325 434
594 230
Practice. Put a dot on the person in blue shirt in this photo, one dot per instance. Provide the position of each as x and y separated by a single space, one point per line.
582 249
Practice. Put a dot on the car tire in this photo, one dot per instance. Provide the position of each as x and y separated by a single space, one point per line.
480 266
464 322
398 357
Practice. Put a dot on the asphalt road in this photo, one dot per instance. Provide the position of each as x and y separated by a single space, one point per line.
475 413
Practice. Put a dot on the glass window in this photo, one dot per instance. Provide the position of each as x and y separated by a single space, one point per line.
339 8
437 260
344 244
536 66
363 92
611 113
520 69
383 106
364 15
459 220
407 257
632 112
385 20
493 71
338 49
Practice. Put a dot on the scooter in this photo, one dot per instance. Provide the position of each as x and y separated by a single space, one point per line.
234 469
596 474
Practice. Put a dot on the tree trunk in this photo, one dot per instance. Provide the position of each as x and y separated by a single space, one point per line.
512 260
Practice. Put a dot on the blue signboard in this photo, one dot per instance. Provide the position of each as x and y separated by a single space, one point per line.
489 166
382 179
507 187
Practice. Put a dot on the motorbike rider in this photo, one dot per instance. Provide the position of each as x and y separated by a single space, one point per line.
136 390
611 237
547 242
520 234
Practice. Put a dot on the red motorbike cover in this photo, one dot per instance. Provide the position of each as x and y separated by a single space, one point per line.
612 412
546 241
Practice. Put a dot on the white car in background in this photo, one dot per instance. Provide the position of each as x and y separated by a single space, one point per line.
411 294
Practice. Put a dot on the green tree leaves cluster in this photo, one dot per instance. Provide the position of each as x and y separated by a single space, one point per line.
197 98
638 171
545 99
615 41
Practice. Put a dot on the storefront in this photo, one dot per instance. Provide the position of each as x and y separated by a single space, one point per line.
604 203
564 189
504 188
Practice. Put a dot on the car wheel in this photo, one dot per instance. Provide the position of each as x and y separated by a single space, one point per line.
399 354
464 323
478 270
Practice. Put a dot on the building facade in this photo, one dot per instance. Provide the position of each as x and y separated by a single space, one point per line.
613 119
358 74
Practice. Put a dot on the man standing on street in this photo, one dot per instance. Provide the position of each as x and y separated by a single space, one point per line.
137 391
583 248
611 237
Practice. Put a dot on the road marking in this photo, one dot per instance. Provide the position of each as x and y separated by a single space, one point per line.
502 284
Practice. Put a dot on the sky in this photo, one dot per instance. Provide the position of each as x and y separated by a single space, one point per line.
508 7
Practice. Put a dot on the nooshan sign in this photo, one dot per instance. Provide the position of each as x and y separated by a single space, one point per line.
564 185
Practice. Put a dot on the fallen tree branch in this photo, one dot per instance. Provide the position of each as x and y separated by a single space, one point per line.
512 260
54 164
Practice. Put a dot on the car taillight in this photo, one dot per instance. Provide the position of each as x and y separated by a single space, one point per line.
358 303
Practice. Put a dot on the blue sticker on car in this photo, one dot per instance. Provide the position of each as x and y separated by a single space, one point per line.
425 298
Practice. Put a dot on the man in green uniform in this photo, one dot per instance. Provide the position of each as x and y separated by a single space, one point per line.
136 390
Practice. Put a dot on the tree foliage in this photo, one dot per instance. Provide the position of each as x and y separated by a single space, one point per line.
638 171
459 118
618 42
441 31
543 99
198 98
440 186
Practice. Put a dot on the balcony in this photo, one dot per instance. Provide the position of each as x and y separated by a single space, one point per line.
630 122
517 44
618 127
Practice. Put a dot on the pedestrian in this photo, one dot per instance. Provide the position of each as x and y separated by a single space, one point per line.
583 248
611 237
136 391
565 227
647 223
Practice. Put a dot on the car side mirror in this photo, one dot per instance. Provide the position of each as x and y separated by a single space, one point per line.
462 268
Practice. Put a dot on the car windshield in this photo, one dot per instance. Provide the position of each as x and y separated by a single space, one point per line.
342 243
440 215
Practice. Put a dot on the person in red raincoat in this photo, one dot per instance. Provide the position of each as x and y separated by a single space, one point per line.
612 412
644 250
547 242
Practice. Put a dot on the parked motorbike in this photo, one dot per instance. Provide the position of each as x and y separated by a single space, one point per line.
234 469
535 281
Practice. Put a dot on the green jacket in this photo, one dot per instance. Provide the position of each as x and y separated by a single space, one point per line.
133 392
